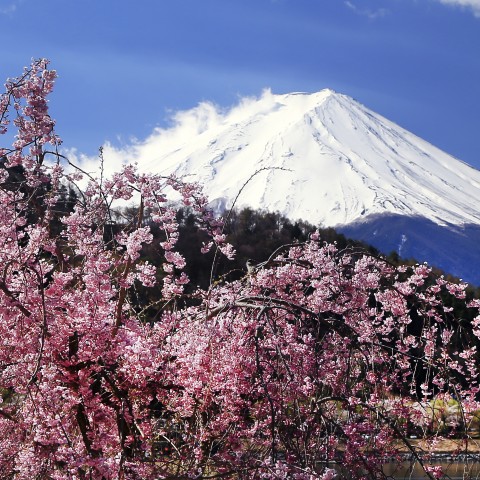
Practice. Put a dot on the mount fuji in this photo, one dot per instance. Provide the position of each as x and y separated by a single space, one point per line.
329 160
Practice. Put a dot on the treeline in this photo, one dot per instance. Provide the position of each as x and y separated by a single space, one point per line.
256 234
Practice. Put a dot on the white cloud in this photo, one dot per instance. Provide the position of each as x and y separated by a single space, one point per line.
151 152
473 5
7 9
371 14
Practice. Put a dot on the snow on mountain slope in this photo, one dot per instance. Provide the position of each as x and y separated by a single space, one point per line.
344 162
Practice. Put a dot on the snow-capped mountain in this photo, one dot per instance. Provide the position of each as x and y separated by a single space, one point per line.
328 160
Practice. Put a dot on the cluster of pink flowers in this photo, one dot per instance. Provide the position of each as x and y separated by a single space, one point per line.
310 360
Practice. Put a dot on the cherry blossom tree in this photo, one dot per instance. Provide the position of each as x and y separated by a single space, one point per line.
318 361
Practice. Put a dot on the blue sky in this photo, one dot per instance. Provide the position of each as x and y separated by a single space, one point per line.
125 66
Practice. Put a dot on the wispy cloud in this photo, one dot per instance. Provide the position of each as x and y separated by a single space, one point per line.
9 7
366 12
160 146
473 5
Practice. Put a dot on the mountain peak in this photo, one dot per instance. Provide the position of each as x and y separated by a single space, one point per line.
325 158
320 95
